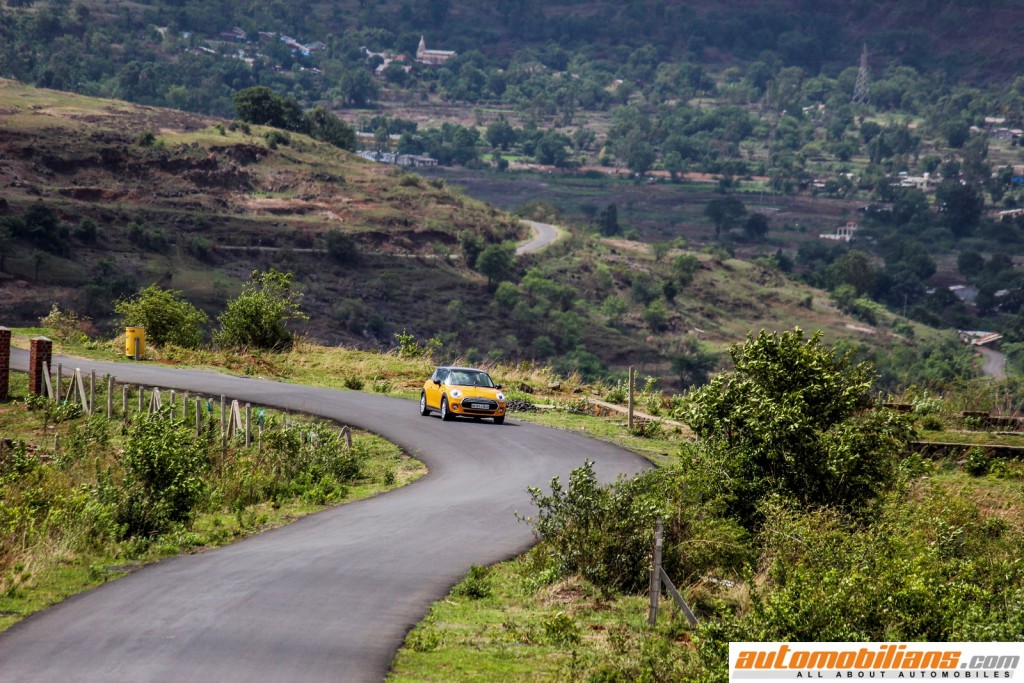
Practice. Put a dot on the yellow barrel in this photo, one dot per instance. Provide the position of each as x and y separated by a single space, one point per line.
135 336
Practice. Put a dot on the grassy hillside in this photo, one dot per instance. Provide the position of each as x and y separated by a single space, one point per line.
139 195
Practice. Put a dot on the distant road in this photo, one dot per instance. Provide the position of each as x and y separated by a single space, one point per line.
329 597
544 234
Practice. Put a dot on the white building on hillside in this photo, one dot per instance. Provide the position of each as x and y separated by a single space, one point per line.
425 56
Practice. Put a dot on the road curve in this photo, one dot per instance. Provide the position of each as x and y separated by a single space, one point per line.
545 235
329 597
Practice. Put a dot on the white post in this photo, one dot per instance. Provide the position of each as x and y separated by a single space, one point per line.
655 590
631 381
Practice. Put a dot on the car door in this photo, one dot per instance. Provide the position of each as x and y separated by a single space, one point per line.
434 388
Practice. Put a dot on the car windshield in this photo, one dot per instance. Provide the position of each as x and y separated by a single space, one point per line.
469 378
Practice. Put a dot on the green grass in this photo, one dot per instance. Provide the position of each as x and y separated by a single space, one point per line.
523 629
660 449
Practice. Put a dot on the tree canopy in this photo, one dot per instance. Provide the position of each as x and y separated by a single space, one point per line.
792 420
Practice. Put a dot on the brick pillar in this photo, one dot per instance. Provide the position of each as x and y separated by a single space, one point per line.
5 363
40 351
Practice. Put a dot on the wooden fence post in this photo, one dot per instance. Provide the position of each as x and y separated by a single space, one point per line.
110 396
124 402
248 424
92 391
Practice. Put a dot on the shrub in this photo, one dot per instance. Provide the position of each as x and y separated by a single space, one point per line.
67 325
341 247
166 316
977 461
791 420
604 534
476 584
382 385
645 429
258 316
277 137
310 458
164 475
618 393
561 629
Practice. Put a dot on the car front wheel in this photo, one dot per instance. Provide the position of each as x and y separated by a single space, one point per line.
500 419
424 410
446 414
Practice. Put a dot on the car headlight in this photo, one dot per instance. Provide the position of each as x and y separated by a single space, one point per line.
456 393
500 396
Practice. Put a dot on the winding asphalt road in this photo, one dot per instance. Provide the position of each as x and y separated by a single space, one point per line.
545 235
329 597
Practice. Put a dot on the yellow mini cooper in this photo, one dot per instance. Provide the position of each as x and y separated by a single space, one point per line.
454 391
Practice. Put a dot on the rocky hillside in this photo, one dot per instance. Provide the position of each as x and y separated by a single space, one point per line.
101 198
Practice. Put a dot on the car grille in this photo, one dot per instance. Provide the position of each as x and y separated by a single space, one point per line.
469 404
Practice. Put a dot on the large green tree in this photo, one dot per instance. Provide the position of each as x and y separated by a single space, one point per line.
726 213
497 263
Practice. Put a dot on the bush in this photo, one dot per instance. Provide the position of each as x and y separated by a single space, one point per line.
277 137
604 534
66 326
476 584
977 461
165 315
164 475
792 420
310 459
258 316
341 247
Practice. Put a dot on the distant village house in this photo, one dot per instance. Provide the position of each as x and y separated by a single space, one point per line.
413 160
843 234
434 57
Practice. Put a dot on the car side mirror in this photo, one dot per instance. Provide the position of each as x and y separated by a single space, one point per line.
437 382
497 386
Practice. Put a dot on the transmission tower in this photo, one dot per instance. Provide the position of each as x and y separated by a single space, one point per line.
861 91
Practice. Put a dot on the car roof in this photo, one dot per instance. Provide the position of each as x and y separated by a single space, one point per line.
461 367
